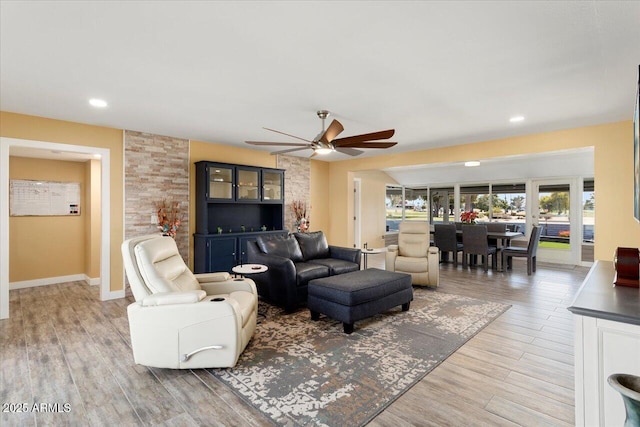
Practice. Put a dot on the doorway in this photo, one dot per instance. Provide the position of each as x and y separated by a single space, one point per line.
105 242
357 207
555 207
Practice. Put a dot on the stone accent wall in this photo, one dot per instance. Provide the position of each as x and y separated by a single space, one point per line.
297 187
155 168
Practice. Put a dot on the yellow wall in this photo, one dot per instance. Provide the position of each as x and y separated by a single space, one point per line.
47 246
40 129
320 195
613 154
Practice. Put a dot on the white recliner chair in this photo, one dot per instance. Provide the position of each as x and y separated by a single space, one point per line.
181 320
413 255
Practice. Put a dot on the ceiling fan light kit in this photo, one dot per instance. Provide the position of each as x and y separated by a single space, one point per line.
326 142
323 150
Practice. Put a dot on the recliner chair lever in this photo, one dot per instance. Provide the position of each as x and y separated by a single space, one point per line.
185 357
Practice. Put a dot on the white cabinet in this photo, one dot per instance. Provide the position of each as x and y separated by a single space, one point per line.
607 341
603 347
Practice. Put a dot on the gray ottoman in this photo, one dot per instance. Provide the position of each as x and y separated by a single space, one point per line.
357 295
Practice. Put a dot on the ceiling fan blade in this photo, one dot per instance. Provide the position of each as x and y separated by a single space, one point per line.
277 144
349 151
332 131
370 145
291 150
374 136
287 134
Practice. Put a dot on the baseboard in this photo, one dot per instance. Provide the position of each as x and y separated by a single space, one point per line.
92 281
113 295
46 281
109 295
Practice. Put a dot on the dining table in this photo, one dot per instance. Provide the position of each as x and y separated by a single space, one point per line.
503 237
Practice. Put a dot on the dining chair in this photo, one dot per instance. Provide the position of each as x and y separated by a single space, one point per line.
446 240
514 228
474 242
530 252
496 227
459 225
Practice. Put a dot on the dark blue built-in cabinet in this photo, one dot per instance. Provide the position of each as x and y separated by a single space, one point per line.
234 205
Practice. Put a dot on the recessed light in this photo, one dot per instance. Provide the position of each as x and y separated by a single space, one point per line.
98 103
516 119
472 163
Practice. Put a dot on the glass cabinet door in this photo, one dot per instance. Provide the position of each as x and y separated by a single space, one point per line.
272 185
220 183
248 184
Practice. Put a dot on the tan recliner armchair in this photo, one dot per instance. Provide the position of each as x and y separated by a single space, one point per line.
181 320
413 255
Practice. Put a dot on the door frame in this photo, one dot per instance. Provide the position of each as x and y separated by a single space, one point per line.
357 212
105 217
558 256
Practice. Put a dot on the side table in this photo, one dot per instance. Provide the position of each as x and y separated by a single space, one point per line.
247 270
370 251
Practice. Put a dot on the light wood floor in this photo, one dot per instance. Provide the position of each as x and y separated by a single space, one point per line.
62 345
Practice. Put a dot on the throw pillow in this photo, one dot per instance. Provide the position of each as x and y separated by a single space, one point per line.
313 245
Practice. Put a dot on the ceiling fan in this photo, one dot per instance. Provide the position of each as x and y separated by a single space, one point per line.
326 142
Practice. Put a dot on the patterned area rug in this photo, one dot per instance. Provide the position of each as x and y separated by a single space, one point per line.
299 372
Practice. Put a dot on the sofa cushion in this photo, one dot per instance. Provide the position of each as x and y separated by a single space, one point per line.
336 266
413 245
412 265
306 271
313 245
414 239
286 247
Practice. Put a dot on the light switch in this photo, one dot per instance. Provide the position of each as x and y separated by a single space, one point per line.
153 219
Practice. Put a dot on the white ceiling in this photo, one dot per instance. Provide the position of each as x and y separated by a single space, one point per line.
440 73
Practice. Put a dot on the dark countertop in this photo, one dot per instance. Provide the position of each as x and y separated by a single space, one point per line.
599 298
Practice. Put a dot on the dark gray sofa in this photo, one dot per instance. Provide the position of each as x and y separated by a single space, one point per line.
293 262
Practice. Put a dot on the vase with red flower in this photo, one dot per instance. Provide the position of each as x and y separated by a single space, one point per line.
468 217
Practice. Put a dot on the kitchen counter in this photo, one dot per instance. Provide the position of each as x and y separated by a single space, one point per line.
598 297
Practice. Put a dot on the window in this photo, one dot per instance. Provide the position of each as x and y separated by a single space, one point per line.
554 208
588 211
416 204
475 198
509 203
394 204
506 203
441 205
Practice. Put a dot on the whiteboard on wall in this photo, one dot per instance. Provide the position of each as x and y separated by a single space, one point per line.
43 198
